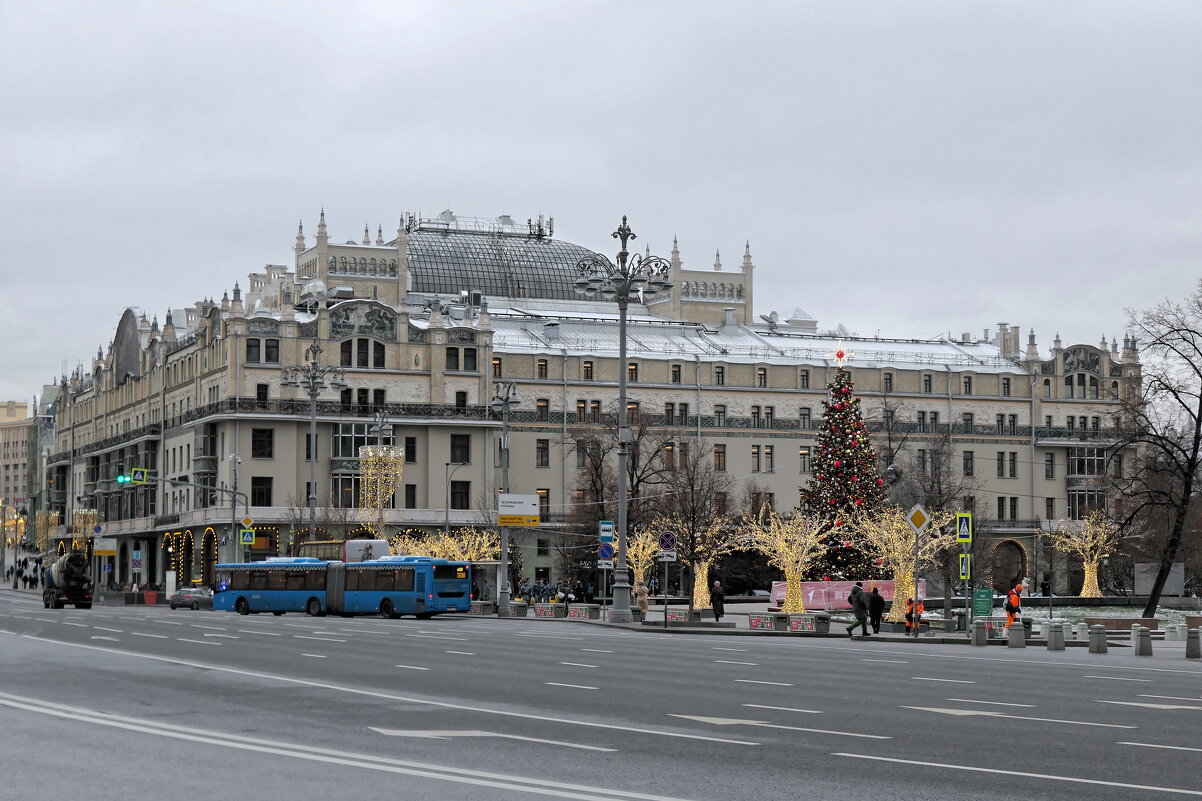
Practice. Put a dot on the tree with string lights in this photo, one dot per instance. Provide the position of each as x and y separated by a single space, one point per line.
844 480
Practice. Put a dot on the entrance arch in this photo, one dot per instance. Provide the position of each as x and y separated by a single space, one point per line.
1007 565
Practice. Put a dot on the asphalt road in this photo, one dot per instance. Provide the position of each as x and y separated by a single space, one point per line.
142 702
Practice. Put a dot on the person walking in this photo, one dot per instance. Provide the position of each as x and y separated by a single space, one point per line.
876 608
640 597
919 607
1014 605
859 607
718 601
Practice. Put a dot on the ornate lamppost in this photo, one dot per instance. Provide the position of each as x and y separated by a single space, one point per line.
311 377
503 400
634 278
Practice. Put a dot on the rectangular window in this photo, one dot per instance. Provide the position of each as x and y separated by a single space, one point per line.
461 494
261 391
1049 508
542 410
632 412
1013 464
1006 387
967 385
921 461
803 379
761 376
719 376
544 502
921 419
581 410
496 367
669 456
542 453
1116 465
1000 422
769 413
970 504
935 421
887 382
541 368
632 371
377 399
1095 424
410 450
581 456
755 458
1012 424
410 496
1047 421
271 351
253 350
361 352
966 420
969 466
260 491
682 414
1014 508
927 383
469 359
586 370
803 458
720 458
262 443
1001 464
461 448
804 420
676 374
1001 508
1049 465
769 458
543 547
1072 423
594 411
309 449
460 399
347 353
377 355
669 413
720 415
720 503
452 358
755 416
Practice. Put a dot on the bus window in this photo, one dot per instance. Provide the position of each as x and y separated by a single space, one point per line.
294 580
352 580
404 580
239 580
385 580
315 579
447 572
275 579
258 580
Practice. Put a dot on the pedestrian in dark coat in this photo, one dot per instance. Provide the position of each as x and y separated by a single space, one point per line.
859 607
718 600
876 608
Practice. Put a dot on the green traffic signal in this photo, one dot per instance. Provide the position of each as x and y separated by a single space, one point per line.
122 478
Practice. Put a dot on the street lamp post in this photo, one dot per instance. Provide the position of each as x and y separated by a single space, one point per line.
636 278
311 377
449 472
502 401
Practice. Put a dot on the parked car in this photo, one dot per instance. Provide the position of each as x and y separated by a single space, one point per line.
192 598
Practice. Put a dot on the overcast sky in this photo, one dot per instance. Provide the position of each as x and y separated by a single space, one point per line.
907 168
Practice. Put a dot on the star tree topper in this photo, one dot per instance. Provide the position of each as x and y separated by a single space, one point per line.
840 354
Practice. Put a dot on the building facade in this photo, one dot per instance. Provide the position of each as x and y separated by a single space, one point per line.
425 324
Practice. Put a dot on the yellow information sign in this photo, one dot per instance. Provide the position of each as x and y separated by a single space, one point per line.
517 510
918 517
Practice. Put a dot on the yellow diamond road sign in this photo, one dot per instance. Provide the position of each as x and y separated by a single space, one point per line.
918 517
248 522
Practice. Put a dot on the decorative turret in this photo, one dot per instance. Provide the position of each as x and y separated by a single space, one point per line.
322 235
1032 348
484 319
168 329
366 235
236 309
717 261
747 265
225 301
1104 345
379 235
1056 346
676 263
300 237
1114 345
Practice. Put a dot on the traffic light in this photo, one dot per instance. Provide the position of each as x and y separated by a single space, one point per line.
123 478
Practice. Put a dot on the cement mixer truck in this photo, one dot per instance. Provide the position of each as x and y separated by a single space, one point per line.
68 581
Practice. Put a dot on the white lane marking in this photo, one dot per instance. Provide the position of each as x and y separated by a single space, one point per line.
315 656
46 619
69 623
446 735
167 622
1000 772
773 683
156 636
212 628
949 681
411 667
322 685
323 639
264 633
546 635
889 661
105 628
989 713
991 703
1115 678
538 786
766 725
596 650
1170 697
785 709
720 648
1148 705
577 664
574 686
732 662
225 636
102 637
198 642
461 653
435 637
1168 747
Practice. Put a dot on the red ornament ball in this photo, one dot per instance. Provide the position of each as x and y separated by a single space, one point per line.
834 429
859 502
880 482
832 502
838 463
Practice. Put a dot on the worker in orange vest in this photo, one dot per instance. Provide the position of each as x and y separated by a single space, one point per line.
1014 605
914 615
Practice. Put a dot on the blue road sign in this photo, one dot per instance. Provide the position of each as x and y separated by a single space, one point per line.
605 551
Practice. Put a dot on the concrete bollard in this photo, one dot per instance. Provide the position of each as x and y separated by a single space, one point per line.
979 636
1056 637
1143 641
1097 639
1182 632
1193 644
1170 634
1017 638
1134 632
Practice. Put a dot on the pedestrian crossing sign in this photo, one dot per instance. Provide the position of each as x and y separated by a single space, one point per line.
964 527
965 566
248 536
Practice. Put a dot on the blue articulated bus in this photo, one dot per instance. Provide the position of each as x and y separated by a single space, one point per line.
390 586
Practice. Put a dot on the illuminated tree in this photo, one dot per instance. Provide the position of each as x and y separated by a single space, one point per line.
699 544
642 553
844 480
886 535
469 544
790 544
380 471
1092 540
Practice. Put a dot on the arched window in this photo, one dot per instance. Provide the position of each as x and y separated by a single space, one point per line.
1093 388
1068 386
1114 389
342 264
373 266
1047 387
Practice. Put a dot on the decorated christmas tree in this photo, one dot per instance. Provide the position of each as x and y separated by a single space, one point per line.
844 480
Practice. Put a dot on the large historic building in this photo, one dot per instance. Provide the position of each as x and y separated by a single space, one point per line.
426 323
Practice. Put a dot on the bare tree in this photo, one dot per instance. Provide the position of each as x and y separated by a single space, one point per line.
1160 423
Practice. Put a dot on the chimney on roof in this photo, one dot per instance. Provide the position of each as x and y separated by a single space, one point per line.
551 330
728 316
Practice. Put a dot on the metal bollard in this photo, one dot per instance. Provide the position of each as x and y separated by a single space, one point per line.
1143 641
1097 639
979 634
1056 637
1193 644
1017 638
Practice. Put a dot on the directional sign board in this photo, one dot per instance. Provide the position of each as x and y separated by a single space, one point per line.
517 510
667 556
248 536
918 518
964 527
605 564
982 602
965 566
605 531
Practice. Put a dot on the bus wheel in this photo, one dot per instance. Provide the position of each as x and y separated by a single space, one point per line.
424 615
242 607
46 601
313 608
387 610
